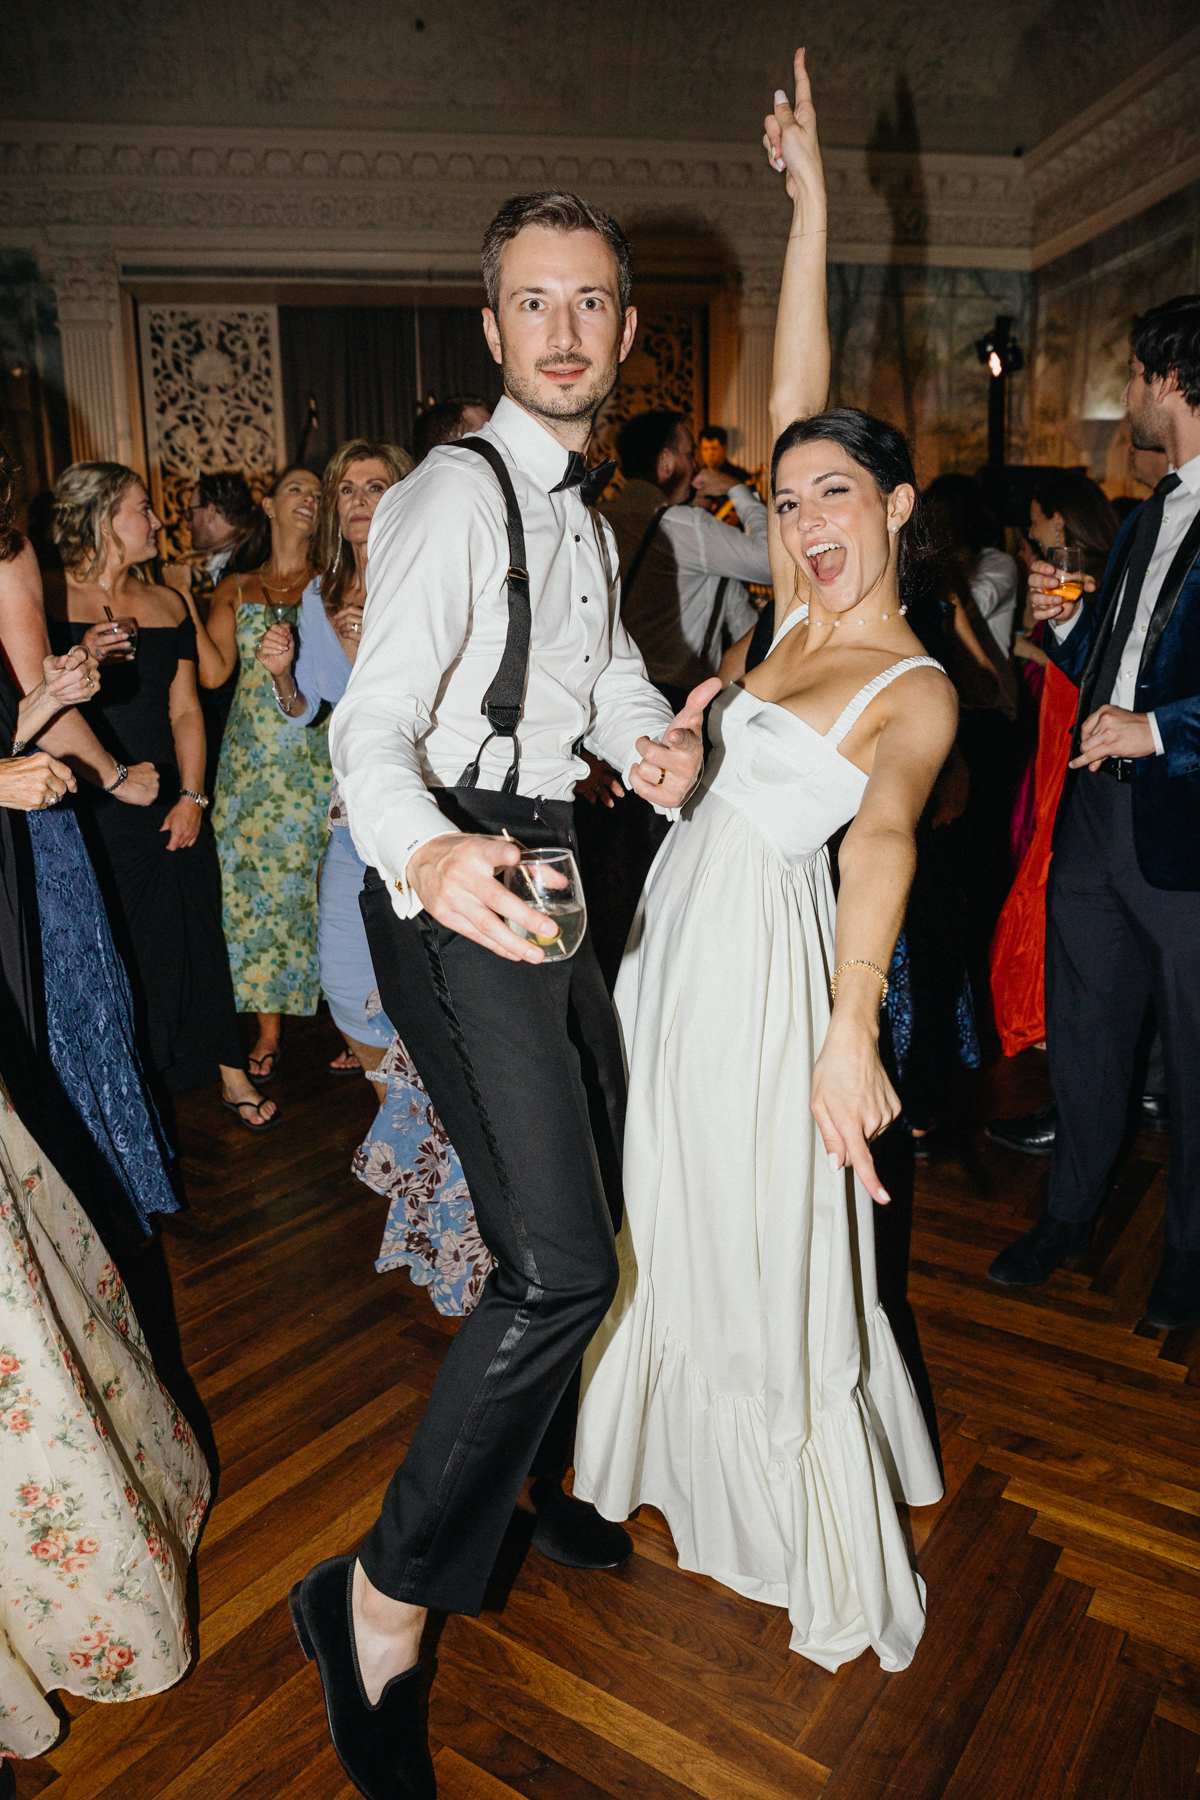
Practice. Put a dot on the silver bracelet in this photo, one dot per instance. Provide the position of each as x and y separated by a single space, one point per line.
190 794
122 772
285 706
20 746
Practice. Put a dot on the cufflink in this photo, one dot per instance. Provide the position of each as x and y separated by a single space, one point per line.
399 885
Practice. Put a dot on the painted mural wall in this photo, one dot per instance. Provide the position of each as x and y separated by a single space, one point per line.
1086 302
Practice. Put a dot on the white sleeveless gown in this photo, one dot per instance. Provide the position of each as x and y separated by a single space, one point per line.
746 1381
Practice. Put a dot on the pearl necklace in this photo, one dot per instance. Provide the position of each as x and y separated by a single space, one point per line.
882 620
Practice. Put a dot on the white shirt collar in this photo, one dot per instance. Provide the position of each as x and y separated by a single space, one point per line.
533 448
1189 474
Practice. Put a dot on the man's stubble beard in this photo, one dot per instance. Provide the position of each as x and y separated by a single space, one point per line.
1146 426
584 404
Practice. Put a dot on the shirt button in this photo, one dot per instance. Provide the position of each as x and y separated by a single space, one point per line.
576 537
587 659
585 599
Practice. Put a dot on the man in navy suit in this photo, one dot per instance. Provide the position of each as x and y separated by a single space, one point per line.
1123 899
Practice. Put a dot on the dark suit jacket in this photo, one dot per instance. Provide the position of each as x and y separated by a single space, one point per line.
1166 789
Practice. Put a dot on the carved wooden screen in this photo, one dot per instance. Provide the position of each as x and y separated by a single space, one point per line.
666 368
212 400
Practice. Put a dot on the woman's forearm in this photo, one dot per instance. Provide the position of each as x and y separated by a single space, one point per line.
74 742
34 712
875 867
190 748
800 371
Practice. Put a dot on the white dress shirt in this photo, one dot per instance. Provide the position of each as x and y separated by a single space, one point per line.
433 636
994 590
1179 509
669 609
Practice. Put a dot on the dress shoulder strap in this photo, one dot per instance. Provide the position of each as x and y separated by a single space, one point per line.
796 617
865 695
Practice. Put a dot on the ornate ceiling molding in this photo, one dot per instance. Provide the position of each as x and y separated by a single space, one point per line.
1133 148
399 199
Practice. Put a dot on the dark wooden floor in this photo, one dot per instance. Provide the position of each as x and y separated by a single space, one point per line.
1062 1655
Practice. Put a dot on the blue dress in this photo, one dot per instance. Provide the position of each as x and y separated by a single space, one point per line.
406 1156
77 1015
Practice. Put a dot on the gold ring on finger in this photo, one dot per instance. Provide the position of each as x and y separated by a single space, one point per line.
662 776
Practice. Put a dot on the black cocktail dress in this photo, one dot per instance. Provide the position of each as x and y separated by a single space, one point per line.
165 904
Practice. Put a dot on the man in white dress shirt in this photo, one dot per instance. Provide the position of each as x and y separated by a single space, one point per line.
491 645
1123 899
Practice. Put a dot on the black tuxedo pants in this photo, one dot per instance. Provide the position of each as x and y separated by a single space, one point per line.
1113 944
524 1065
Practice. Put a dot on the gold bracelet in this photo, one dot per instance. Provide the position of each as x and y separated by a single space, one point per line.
858 962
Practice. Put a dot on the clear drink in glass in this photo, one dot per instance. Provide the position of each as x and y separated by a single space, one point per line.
549 881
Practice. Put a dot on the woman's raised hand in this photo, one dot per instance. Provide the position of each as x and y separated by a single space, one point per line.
276 649
790 138
71 680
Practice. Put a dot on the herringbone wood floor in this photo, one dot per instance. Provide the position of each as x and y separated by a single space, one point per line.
1062 1655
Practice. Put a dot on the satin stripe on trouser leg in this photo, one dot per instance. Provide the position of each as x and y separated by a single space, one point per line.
503 1049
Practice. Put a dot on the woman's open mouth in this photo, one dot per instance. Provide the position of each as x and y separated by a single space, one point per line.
826 561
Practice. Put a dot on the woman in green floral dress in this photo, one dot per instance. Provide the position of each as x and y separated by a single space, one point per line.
273 783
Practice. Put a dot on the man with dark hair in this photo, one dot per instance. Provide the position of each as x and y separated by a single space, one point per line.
684 572
491 646
222 507
713 451
1123 899
446 421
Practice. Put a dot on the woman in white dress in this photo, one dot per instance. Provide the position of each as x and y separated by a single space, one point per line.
746 1381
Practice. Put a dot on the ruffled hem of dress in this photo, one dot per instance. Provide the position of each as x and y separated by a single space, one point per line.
824 1520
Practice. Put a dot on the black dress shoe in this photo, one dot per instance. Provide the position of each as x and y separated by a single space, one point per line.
1034 1257
1174 1302
1032 1134
1155 1113
384 1748
571 1532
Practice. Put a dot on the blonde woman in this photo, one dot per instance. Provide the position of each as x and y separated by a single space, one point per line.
156 862
272 791
305 680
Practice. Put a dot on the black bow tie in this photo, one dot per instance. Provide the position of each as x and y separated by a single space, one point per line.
590 482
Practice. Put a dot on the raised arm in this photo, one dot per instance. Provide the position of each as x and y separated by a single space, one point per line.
216 640
852 1098
800 371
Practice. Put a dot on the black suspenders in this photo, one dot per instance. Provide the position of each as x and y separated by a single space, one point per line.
504 701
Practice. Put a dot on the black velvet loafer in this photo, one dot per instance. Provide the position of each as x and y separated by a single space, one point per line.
571 1532
384 1748
1174 1303
1034 1257
1032 1134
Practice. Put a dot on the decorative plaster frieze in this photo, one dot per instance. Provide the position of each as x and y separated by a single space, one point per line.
154 187
1139 144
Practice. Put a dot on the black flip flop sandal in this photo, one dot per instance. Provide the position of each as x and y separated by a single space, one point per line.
354 1069
271 1056
236 1106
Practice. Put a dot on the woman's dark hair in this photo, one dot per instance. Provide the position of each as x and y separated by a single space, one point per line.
1168 337
1089 522
255 547
642 440
970 521
883 452
10 537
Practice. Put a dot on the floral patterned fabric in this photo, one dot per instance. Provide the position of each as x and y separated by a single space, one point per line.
102 1486
408 1158
273 789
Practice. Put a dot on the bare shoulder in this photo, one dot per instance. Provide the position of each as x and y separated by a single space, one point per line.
226 592
167 603
921 706
20 577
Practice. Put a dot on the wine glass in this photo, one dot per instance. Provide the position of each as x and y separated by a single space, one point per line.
1067 559
279 610
548 880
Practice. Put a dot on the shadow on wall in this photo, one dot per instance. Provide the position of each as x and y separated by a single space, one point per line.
903 333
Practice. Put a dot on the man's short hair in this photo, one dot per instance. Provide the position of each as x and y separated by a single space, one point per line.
716 434
642 440
442 423
1168 337
554 212
227 492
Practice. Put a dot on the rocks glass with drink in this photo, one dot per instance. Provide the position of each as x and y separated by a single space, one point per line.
1067 561
548 880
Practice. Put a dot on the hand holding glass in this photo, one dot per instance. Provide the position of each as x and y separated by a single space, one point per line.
1068 560
548 880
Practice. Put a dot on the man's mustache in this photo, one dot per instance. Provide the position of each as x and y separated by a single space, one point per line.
564 362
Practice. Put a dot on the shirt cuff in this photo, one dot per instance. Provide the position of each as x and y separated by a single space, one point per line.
416 827
1156 734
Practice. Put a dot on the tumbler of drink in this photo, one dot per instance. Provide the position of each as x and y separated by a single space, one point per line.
120 651
1067 559
548 880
